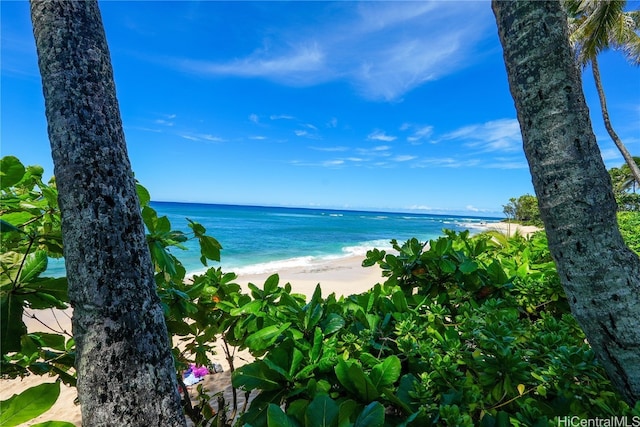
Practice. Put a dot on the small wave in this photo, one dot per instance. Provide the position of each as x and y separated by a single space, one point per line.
362 248
274 266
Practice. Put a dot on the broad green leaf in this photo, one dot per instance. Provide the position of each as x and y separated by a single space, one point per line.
252 307
296 358
256 375
312 315
363 384
271 284
197 228
149 216
11 171
347 409
34 265
29 404
277 418
54 341
400 301
265 337
387 372
333 323
42 300
468 266
163 225
371 416
11 325
143 195
51 194
57 287
321 412
342 372
209 249
447 266
316 350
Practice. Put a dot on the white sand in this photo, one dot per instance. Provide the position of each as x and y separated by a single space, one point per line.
507 228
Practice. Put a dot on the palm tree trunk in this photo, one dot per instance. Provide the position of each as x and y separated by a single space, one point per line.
628 158
126 375
599 273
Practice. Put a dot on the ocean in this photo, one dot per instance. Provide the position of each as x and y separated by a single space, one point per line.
258 239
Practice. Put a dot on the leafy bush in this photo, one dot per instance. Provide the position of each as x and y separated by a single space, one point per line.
464 331
629 224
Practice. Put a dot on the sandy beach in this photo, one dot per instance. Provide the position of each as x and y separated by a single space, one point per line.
342 276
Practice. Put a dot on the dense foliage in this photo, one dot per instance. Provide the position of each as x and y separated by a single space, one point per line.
465 330
523 209
629 223
625 187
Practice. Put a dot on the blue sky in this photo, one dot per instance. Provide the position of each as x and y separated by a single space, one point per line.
375 105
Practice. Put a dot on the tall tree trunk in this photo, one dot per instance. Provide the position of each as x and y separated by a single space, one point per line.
628 158
600 275
124 364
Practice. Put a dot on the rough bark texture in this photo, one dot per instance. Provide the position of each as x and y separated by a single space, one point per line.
600 275
628 158
125 369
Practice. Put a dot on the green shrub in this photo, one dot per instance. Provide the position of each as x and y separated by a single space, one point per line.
464 331
629 223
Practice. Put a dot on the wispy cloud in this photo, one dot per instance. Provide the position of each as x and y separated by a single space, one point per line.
384 49
404 158
281 117
419 133
378 135
338 148
300 65
201 137
254 118
498 135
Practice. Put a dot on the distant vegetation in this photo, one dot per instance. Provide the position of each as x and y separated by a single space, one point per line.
463 331
523 210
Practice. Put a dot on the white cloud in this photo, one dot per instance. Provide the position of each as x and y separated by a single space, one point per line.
498 135
403 158
201 137
281 117
383 49
332 123
164 122
300 65
333 163
381 148
339 148
378 135
258 137
420 133
299 132
254 118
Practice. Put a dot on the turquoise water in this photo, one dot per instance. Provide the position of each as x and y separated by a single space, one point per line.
262 239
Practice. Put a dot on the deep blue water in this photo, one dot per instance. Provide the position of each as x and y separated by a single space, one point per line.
256 238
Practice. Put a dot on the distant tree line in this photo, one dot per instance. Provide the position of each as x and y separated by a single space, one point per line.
524 209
